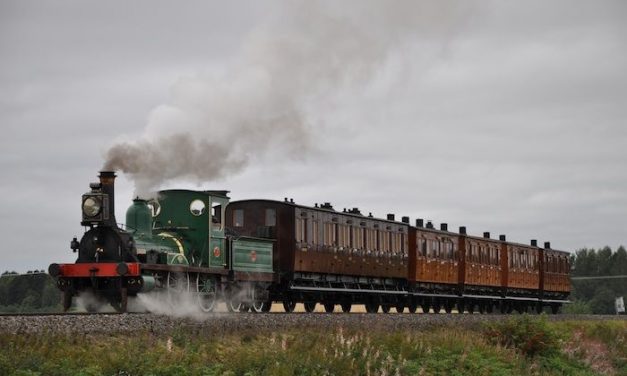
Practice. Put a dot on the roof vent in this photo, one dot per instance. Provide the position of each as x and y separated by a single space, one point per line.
429 224
462 230
291 200
502 238
405 220
444 226
326 205
370 215
547 245
390 217
534 243
420 222
354 211
486 235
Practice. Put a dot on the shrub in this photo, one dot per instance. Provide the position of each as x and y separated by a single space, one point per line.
529 335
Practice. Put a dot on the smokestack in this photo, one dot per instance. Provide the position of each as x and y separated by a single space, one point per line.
534 243
107 183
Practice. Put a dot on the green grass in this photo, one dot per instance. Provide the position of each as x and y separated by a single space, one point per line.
520 346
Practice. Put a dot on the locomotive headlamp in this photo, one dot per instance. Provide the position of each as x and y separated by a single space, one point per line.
91 206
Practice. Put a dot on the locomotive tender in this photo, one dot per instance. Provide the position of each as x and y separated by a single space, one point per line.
252 253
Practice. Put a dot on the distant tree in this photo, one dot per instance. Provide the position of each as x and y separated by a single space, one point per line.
599 294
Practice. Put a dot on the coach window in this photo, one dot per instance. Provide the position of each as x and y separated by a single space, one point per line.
315 232
329 234
217 215
238 217
301 230
270 217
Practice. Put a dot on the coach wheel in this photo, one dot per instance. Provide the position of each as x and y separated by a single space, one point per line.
310 306
521 308
470 307
346 307
385 308
412 307
555 308
289 305
372 307
400 307
437 306
329 307
539 308
206 289
266 306
503 307
510 307
245 307
481 307
461 306
489 308
425 306
448 306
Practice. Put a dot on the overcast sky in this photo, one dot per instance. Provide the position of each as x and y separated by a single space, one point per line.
503 116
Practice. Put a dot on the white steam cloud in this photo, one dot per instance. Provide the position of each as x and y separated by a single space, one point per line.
287 70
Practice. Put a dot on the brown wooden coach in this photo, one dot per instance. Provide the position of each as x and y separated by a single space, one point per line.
345 257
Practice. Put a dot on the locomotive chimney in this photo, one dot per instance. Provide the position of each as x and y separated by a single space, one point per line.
107 183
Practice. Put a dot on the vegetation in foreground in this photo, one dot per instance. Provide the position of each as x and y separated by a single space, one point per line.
523 345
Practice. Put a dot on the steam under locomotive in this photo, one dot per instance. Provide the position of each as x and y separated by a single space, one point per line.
252 253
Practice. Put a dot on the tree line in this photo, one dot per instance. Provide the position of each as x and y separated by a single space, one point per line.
598 295
31 292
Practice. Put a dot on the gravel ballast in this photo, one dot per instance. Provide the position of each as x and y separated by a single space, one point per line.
225 323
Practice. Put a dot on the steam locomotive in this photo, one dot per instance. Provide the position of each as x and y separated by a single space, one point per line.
252 253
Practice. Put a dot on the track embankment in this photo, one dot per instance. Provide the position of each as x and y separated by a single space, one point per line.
224 323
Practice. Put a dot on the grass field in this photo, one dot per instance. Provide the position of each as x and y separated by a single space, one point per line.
522 345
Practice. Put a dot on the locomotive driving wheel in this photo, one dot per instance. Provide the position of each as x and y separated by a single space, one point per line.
177 283
206 288
234 300
258 304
